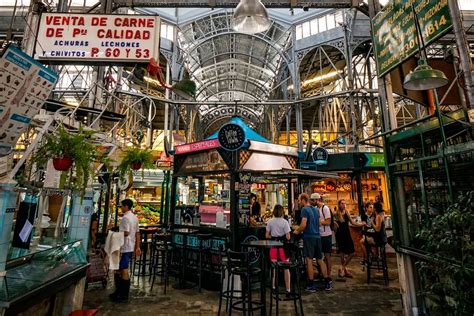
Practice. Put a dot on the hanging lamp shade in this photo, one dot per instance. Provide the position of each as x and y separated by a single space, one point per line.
423 77
250 17
185 88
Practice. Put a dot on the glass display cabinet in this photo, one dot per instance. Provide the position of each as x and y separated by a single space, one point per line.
33 283
429 167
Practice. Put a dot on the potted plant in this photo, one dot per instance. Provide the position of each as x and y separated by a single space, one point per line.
66 149
135 158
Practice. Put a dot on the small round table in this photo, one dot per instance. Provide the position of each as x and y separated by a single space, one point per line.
264 245
185 232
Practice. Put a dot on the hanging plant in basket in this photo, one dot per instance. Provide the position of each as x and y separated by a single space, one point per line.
135 158
67 149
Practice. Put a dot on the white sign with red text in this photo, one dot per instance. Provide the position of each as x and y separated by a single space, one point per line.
82 38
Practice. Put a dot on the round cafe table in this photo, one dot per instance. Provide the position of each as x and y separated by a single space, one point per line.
264 245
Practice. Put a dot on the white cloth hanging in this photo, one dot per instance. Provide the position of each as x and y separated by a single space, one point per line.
113 244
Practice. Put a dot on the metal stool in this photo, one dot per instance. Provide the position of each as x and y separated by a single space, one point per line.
161 258
377 260
238 264
204 252
295 265
144 262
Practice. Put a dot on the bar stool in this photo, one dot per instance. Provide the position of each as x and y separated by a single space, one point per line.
161 258
377 260
238 264
203 255
144 262
295 265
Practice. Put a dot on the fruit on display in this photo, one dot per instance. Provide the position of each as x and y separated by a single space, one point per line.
147 214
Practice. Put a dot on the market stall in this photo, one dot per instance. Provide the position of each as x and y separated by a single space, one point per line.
361 180
212 181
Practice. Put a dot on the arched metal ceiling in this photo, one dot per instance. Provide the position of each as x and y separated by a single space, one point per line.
231 66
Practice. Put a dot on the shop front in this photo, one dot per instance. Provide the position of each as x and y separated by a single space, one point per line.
213 180
361 180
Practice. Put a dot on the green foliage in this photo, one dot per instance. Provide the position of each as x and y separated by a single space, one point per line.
448 279
135 155
75 146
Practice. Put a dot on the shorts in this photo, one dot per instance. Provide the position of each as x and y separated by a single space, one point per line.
312 248
326 244
125 258
278 254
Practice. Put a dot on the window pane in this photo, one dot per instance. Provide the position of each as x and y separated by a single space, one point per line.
331 21
322 24
306 31
170 34
299 32
164 29
314 27
339 18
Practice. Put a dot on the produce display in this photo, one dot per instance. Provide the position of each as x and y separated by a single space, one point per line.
147 214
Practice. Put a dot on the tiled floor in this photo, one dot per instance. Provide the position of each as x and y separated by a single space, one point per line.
348 297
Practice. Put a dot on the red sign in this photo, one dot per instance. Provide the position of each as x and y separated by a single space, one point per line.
198 146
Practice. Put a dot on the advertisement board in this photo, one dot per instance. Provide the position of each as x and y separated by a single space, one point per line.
79 38
395 36
25 84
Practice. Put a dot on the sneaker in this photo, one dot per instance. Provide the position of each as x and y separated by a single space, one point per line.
328 285
311 288
288 294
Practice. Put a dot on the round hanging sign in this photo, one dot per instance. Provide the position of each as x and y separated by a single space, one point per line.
320 156
231 137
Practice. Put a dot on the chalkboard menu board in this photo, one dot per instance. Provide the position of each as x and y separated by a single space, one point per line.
231 137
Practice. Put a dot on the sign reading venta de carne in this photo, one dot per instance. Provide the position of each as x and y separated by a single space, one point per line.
83 38
231 136
395 35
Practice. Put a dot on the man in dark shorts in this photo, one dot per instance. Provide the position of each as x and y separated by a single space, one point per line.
324 229
311 241
131 245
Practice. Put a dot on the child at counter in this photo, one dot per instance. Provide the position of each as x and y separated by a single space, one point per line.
279 229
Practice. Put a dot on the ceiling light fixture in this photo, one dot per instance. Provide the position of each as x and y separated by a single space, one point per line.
250 17
423 77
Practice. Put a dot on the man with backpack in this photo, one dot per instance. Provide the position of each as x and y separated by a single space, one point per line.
311 241
325 230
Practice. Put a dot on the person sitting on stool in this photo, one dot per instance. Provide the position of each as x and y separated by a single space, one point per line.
278 228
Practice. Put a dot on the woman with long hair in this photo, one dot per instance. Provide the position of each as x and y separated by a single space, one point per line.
345 244
278 228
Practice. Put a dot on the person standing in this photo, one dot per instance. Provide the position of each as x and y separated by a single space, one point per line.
131 245
368 231
345 244
324 230
255 206
278 228
311 241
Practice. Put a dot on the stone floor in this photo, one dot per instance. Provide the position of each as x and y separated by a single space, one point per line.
348 297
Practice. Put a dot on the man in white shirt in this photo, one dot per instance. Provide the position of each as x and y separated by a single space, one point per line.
131 245
324 230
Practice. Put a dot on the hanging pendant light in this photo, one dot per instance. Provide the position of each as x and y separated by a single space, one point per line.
423 77
251 17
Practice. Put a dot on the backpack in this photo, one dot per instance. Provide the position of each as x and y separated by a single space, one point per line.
333 225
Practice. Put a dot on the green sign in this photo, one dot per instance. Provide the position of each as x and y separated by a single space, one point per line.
394 30
375 160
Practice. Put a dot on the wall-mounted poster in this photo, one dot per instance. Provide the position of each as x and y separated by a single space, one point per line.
25 84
